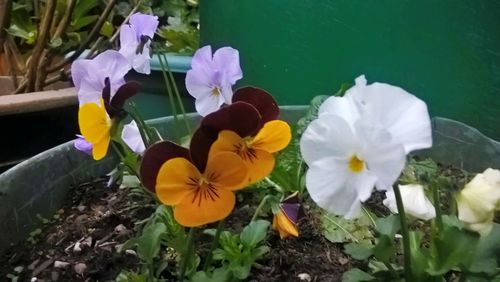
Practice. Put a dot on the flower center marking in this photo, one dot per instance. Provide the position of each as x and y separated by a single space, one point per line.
204 189
356 165
244 149
216 91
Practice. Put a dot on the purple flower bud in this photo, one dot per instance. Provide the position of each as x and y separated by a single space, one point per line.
83 145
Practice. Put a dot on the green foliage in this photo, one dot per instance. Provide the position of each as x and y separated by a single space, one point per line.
129 276
238 252
289 170
340 230
181 33
356 275
21 23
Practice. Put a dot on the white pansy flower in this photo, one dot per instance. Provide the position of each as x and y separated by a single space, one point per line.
132 137
359 142
415 202
478 201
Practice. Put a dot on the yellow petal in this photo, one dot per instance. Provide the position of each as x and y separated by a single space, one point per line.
259 166
204 207
284 226
259 163
273 137
176 179
94 122
100 149
227 141
226 170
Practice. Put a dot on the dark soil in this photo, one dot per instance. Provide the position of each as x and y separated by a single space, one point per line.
79 242
310 257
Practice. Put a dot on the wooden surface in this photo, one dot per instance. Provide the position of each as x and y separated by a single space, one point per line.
37 101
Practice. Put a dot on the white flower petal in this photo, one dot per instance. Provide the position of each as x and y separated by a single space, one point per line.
337 190
208 104
383 157
341 106
401 113
132 137
329 136
415 202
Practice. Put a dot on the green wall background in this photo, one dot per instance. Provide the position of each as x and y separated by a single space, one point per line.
447 52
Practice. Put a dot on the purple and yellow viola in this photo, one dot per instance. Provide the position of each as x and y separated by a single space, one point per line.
96 120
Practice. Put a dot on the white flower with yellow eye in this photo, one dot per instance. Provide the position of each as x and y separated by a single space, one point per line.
359 142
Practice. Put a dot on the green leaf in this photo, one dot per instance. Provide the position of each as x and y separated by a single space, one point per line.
254 233
107 29
453 248
488 253
128 276
219 274
419 257
384 249
241 271
359 251
340 230
28 35
83 22
56 42
388 225
82 7
148 245
356 275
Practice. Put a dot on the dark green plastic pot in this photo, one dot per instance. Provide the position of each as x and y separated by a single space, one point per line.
446 52
39 185
153 101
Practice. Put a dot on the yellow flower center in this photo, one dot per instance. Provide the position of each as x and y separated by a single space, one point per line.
216 91
356 165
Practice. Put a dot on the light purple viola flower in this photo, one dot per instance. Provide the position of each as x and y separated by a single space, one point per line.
83 145
132 137
89 75
211 78
135 41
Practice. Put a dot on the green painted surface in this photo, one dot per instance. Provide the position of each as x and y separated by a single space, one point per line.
446 52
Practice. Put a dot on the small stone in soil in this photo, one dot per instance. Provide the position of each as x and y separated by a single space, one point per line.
80 268
18 269
304 277
60 264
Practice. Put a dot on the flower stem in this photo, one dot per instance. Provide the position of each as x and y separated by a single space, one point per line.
176 92
187 255
405 233
259 208
435 196
169 91
215 243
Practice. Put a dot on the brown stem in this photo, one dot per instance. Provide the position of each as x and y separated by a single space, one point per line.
112 39
92 36
40 44
61 28
11 69
5 7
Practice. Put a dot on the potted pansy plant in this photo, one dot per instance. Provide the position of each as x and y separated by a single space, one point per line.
238 184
